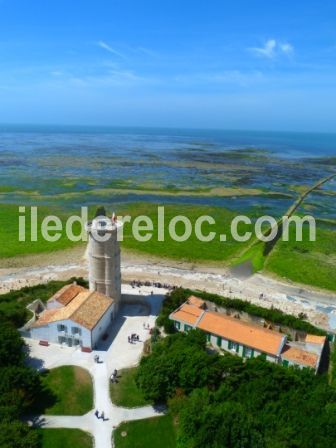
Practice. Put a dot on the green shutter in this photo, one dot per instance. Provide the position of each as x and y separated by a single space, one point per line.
285 362
208 337
237 348
245 352
219 341
230 345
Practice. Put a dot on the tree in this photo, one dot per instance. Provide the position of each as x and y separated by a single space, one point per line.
19 435
19 386
11 345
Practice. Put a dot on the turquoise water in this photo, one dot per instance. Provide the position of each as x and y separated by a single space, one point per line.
50 161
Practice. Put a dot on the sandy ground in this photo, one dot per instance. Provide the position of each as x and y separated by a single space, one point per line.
319 306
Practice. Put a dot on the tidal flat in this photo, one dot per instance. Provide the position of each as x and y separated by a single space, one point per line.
221 172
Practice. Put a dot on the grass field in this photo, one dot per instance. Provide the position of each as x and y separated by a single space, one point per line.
150 433
10 245
310 263
306 262
192 249
68 390
65 438
125 393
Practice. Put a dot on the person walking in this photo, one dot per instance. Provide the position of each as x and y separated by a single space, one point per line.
96 413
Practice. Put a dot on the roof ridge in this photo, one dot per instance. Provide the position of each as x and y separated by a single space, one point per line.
83 302
198 320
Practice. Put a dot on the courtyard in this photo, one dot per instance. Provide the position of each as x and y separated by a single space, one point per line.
136 316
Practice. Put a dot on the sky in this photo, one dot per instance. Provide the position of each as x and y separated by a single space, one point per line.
266 65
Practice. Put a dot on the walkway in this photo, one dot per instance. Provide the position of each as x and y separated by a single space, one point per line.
116 353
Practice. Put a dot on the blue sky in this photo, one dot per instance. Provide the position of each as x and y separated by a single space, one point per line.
208 64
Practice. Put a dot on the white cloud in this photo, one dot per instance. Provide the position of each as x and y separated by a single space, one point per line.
108 48
272 48
268 50
287 48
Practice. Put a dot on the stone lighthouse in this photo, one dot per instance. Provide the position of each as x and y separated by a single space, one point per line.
104 257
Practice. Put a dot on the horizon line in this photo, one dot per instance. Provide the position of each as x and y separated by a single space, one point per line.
176 128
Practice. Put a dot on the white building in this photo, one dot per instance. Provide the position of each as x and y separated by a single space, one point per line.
246 339
78 316
74 316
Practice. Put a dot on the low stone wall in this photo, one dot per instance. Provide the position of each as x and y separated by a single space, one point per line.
33 308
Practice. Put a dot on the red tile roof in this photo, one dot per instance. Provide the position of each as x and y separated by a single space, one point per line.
66 294
313 339
188 314
299 356
196 301
232 329
86 308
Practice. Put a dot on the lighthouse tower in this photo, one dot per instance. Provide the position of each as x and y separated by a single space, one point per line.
104 257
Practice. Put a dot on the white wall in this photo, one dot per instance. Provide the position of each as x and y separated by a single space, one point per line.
50 333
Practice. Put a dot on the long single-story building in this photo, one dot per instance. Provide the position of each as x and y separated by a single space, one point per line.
246 339
74 316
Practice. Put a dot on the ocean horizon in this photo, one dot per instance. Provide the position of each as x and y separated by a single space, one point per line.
286 143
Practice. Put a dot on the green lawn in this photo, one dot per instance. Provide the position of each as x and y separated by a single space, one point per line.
192 249
65 438
157 432
306 262
125 393
68 390
10 245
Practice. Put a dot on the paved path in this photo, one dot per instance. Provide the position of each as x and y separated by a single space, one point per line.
116 353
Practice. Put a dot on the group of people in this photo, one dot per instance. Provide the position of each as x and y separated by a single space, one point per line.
100 416
133 338
139 283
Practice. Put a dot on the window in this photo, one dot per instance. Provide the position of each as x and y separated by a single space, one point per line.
248 352
61 327
208 337
187 327
76 330
285 362
61 339
233 346
219 341
178 325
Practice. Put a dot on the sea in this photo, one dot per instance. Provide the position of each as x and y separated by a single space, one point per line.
79 165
